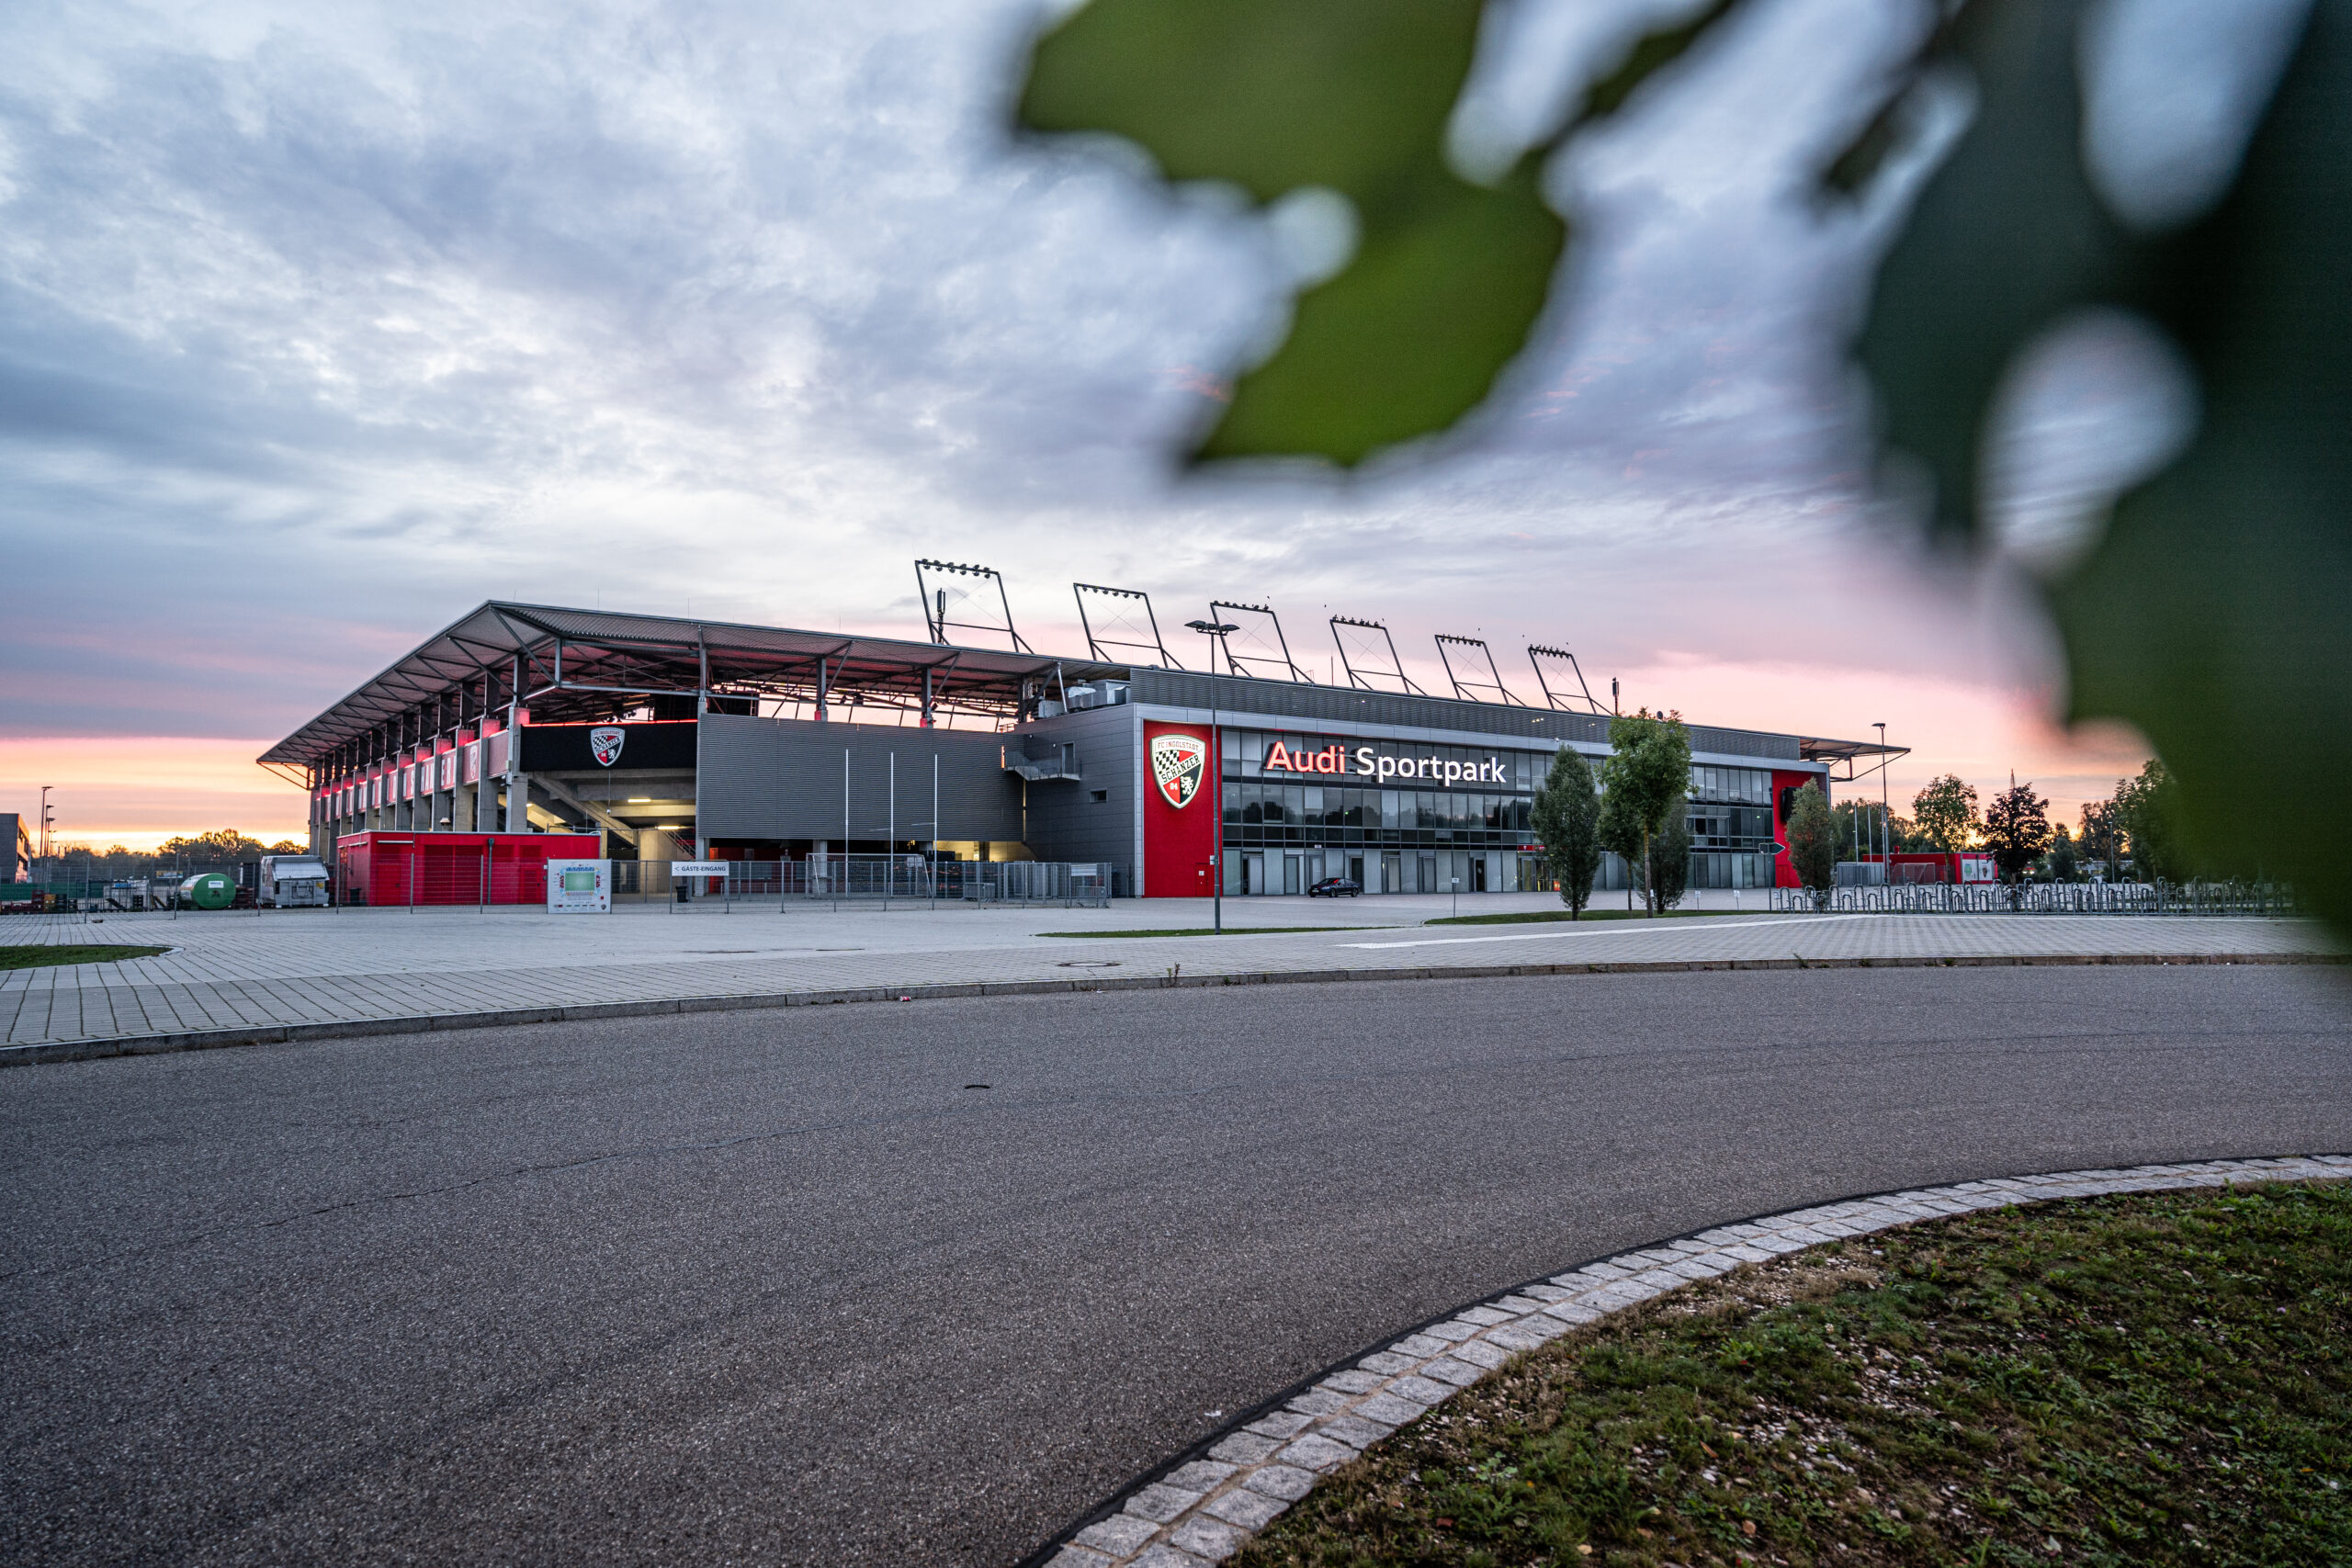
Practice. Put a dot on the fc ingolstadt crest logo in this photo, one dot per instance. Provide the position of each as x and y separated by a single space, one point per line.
605 745
1178 764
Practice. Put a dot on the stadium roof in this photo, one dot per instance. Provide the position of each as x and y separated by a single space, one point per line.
581 665
578 666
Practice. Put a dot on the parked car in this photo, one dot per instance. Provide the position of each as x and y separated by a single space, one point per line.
1336 888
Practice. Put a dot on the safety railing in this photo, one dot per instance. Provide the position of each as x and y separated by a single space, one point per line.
887 881
2044 899
913 879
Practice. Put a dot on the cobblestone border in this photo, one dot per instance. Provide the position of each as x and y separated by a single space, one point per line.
1203 1509
97 1047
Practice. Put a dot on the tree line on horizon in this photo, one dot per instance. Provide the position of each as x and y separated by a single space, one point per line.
2132 827
221 846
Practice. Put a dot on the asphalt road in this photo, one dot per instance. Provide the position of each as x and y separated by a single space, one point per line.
778 1287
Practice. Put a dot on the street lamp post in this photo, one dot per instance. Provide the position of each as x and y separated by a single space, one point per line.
1885 827
1215 762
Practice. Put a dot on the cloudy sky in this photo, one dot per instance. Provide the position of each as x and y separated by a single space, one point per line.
319 325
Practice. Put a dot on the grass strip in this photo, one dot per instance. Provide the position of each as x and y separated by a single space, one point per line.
1541 917
1229 930
42 957
2156 1379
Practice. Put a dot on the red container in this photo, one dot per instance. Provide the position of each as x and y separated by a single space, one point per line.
394 869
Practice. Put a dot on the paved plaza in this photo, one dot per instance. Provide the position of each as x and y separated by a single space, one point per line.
248 970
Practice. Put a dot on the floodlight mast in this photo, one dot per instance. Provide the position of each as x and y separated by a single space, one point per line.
1358 678
1563 700
1467 690
1096 643
934 602
1240 667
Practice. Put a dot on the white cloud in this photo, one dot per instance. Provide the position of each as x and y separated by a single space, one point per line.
374 311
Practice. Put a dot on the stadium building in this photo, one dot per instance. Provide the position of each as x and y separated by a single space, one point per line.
656 738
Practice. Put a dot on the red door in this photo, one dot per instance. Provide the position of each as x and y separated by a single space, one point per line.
449 873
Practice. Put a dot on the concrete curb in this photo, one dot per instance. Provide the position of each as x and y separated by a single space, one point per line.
1204 1507
98 1047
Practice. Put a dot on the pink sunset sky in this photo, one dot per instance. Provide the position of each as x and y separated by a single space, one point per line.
322 325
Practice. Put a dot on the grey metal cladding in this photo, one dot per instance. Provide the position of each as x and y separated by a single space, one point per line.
781 778
1066 822
1168 688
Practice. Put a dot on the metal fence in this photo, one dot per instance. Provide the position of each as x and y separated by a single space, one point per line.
2045 898
912 878
885 880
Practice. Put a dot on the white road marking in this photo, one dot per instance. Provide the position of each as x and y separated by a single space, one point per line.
1606 928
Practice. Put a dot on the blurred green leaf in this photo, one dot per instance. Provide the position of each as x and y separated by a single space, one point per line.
1435 304
2007 236
1272 95
1354 96
2216 612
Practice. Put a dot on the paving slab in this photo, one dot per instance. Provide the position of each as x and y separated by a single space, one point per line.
233 973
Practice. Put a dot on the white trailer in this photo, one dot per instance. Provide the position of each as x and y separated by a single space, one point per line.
293 882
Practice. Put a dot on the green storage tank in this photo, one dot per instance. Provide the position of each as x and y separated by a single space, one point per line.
208 890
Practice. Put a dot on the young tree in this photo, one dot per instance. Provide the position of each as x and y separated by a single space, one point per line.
1668 873
1648 770
1812 847
1944 813
1566 814
2017 829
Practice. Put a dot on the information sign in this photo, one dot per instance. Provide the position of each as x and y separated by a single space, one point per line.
580 888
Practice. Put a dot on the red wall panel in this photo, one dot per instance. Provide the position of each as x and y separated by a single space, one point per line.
1179 840
1784 870
397 869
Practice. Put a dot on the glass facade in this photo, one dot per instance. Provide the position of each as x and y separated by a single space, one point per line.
1262 807
1731 827
1282 833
